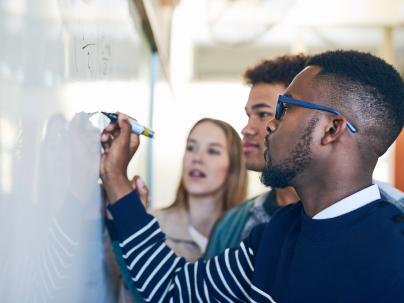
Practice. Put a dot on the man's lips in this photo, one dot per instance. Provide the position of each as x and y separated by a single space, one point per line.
250 146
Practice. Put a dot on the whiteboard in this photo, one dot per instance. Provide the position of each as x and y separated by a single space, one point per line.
60 59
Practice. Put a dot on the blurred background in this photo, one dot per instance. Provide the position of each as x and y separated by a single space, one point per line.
167 63
212 42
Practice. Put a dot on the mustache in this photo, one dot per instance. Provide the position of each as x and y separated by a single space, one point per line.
266 151
266 141
266 156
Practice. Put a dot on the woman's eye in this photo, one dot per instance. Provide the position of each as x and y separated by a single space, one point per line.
212 151
191 148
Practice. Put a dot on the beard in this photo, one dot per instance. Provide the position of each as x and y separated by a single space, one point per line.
282 174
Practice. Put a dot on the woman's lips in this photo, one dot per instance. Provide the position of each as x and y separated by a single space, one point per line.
196 173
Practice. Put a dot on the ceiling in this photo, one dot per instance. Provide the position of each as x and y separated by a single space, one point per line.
226 36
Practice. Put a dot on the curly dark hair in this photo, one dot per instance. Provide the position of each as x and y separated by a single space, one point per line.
366 89
280 70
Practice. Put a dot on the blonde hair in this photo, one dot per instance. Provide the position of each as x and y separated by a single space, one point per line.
235 186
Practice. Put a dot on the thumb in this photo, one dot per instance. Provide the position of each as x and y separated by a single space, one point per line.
124 126
128 137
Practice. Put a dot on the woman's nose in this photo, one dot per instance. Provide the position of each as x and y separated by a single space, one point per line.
197 157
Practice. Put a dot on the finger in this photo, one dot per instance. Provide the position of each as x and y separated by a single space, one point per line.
123 137
143 191
106 141
124 124
116 132
110 127
133 181
122 117
142 188
140 185
127 136
110 130
106 148
105 138
102 170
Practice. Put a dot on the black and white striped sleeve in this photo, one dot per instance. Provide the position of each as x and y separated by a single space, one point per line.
161 276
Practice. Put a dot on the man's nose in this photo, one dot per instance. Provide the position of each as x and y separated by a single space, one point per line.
249 130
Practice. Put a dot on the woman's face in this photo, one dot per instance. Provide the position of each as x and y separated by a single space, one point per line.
206 160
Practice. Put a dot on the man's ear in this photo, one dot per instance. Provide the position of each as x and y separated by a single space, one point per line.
335 127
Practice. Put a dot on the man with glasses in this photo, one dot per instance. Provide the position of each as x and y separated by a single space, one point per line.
341 243
268 80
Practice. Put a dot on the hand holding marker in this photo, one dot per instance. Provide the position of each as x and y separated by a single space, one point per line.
136 127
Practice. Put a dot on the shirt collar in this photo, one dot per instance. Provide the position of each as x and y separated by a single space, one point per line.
348 204
200 240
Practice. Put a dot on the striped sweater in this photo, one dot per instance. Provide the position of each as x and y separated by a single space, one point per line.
354 257
161 276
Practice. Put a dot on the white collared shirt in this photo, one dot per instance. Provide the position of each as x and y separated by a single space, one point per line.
348 204
198 238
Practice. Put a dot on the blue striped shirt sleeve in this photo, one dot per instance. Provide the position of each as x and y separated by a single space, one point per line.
161 276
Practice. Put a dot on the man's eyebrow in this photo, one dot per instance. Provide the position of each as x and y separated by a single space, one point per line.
260 105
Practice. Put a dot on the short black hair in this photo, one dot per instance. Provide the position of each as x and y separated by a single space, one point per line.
280 70
366 89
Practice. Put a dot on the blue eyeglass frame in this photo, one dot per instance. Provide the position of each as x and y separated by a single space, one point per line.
282 100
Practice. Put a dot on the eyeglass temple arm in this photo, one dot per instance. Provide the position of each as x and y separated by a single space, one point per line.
317 107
